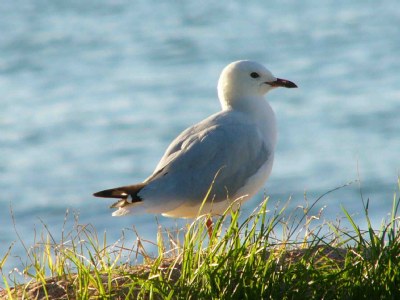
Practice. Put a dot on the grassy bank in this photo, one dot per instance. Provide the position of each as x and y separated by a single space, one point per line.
273 254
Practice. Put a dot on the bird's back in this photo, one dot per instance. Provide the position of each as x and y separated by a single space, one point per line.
221 152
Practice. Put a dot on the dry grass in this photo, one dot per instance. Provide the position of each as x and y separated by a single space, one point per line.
242 260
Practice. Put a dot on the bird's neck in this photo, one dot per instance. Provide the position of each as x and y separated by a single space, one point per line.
255 106
258 110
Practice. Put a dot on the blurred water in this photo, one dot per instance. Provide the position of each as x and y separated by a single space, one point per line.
92 92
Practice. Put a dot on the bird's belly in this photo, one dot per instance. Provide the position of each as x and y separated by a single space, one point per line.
255 182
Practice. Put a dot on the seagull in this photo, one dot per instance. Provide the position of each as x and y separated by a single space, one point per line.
224 159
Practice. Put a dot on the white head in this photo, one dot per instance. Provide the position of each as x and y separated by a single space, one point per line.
247 79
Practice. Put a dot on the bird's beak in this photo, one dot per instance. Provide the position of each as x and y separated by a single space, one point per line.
282 83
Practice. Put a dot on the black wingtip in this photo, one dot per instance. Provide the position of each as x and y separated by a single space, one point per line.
111 193
98 194
122 192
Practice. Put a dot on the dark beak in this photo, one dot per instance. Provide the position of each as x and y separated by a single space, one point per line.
282 83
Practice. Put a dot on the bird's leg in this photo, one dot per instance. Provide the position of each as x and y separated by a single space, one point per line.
209 224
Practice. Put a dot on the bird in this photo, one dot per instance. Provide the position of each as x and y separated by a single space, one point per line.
223 159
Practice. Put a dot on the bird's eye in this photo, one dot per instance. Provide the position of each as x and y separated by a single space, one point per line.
254 75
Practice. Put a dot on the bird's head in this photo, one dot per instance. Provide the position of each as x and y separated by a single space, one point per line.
244 79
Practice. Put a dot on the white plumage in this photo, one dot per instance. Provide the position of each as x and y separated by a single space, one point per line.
229 154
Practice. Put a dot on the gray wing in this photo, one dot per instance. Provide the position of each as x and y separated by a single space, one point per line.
227 144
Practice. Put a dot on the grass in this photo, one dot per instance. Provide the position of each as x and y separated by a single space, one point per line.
270 255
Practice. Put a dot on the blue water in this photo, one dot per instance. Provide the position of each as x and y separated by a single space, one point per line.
92 92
